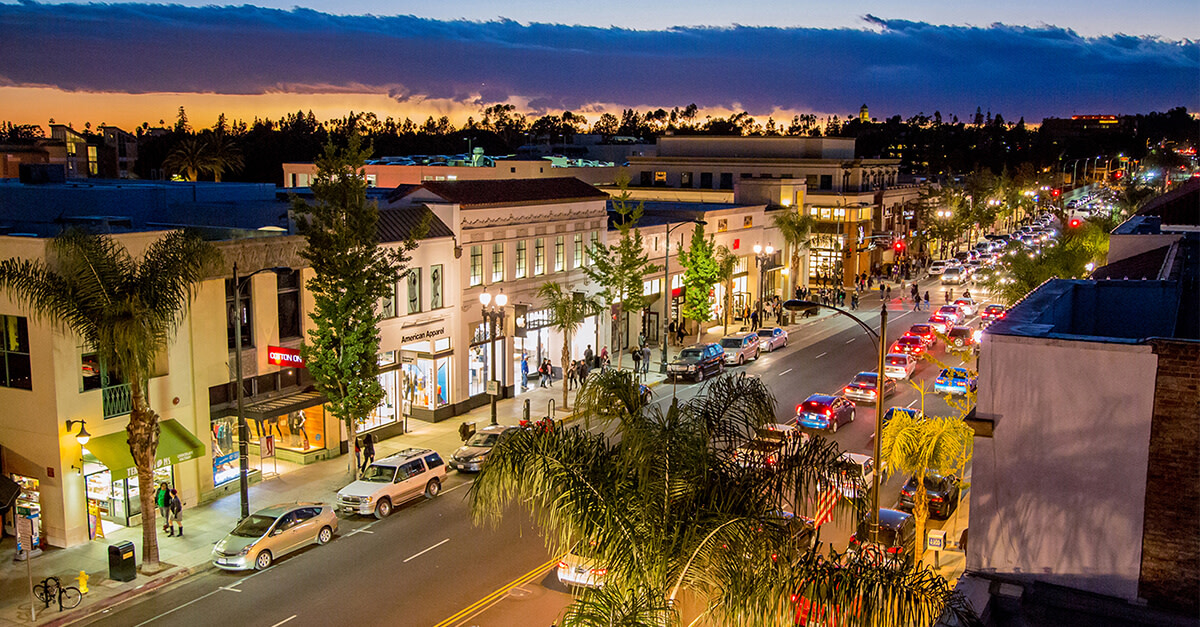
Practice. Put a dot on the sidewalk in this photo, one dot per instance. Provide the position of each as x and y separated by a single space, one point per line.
208 523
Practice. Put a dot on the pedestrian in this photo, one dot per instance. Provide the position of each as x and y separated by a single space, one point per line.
966 293
889 292
368 452
637 359
524 371
926 301
604 358
588 356
671 331
646 359
680 333
946 294
175 507
162 499
547 374
572 376
582 372
854 301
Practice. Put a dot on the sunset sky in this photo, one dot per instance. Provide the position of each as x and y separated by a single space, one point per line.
125 64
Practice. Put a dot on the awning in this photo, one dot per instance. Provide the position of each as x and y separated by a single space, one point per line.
175 444
271 408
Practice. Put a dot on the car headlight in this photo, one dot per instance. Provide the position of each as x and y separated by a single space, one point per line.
690 368
364 499
246 550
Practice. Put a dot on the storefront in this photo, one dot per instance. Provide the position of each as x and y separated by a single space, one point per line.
479 359
110 477
426 372
28 503
295 423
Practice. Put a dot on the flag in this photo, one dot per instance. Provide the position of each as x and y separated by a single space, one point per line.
825 505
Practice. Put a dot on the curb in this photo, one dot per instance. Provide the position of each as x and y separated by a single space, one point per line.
126 595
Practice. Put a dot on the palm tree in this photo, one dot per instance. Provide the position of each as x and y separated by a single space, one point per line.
224 155
567 312
127 310
918 445
190 157
796 228
664 505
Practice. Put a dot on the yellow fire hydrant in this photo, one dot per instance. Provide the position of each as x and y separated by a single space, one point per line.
83 579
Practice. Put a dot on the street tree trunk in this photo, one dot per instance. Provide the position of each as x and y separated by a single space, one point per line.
566 362
143 433
921 514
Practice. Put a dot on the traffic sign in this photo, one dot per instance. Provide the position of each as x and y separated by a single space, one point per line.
935 540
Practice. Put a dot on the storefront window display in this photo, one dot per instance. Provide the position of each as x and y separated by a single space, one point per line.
116 501
388 410
29 503
478 360
427 383
224 450
302 430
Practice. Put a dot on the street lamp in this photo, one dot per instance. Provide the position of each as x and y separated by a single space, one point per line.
761 257
493 315
879 340
667 287
243 430
83 436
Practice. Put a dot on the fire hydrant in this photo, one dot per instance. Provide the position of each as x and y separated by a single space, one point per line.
83 579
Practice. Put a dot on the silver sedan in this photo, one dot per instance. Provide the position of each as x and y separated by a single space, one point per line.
771 338
268 534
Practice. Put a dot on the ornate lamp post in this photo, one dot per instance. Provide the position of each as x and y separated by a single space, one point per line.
493 315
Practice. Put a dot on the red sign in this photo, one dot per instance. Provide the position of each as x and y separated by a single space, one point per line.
279 356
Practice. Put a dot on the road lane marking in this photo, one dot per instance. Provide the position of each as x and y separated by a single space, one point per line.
171 611
284 620
850 340
229 588
426 551
473 608
820 356
362 530
785 372
914 402
467 482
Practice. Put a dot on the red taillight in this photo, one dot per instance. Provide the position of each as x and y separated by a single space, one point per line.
562 564
935 499
599 572
774 557
798 408
847 390
871 392
828 413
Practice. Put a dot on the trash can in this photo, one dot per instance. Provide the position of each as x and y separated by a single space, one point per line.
122 565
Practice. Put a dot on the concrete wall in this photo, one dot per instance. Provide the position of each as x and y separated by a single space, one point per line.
1126 246
300 174
1058 492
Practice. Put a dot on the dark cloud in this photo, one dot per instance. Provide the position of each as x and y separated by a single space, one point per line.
896 66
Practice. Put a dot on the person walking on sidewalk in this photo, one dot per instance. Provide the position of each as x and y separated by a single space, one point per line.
646 359
162 499
889 293
368 452
670 330
637 359
524 371
589 357
854 301
926 301
176 509
572 376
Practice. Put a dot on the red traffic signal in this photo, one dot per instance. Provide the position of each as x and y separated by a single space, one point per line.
1075 222
899 245
1056 192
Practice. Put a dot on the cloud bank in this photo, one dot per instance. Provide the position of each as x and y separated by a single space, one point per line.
896 66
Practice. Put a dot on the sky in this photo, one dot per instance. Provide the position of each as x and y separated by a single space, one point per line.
125 64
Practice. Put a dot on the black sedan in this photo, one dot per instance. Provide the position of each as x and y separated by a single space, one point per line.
864 387
943 494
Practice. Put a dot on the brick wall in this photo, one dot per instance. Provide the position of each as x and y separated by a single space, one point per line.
1170 570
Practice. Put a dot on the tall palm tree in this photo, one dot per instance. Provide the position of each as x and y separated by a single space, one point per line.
224 156
664 505
796 228
190 157
567 312
919 445
127 310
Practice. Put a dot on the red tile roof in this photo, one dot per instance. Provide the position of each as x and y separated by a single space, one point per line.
490 193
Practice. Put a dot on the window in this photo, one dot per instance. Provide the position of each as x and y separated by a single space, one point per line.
497 263
747 175
727 180
577 258
747 222
595 243
706 180
685 179
722 225
539 256
522 259
476 265
288 286
14 353
559 253
646 179
435 286
414 290
826 181
231 318
660 178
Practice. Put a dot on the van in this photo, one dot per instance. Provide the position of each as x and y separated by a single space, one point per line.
740 348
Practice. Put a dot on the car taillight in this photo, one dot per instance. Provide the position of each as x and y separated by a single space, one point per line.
828 412
798 408
871 392
562 564
935 499
847 390
599 572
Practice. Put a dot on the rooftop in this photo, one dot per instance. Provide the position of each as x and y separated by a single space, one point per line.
1180 206
499 192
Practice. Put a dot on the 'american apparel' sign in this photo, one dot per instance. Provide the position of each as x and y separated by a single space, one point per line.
279 356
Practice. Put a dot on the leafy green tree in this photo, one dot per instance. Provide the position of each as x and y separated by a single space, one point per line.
919 445
568 310
701 272
664 507
128 311
1022 270
620 269
351 274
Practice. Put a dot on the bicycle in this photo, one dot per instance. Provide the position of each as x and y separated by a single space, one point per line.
51 590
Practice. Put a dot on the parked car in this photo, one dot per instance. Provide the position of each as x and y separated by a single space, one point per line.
899 365
390 481
925 331
471 456
992 312
772 338
910 344
698 361
864 387
967 305
578 568
270 533
961 337
824 411
954 275
740 348
896 540
943 494
954 381
856 473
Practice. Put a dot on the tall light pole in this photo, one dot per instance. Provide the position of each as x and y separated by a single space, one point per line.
761 257
243 430
879 340
667 287
493 315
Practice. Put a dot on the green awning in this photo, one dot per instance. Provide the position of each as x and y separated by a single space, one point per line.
175 444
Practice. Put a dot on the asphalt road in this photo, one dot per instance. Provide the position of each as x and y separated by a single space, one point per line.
428 564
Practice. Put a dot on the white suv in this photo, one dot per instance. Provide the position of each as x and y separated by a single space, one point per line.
393 480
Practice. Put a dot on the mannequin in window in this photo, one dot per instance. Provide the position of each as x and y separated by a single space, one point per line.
297 428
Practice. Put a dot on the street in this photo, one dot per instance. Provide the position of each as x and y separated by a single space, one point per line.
429 564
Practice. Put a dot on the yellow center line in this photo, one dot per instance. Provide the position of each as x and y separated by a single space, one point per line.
523 579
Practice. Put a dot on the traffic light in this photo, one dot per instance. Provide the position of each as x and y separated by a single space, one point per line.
1056 192
1074 223
898 245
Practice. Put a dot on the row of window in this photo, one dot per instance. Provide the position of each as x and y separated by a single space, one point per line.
579 257
414 291
287 285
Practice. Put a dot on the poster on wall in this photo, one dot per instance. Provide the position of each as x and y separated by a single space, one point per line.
95 529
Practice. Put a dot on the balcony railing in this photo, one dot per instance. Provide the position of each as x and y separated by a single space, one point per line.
118 400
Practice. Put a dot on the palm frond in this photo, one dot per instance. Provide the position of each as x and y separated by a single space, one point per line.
169 273
49 296
614 606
